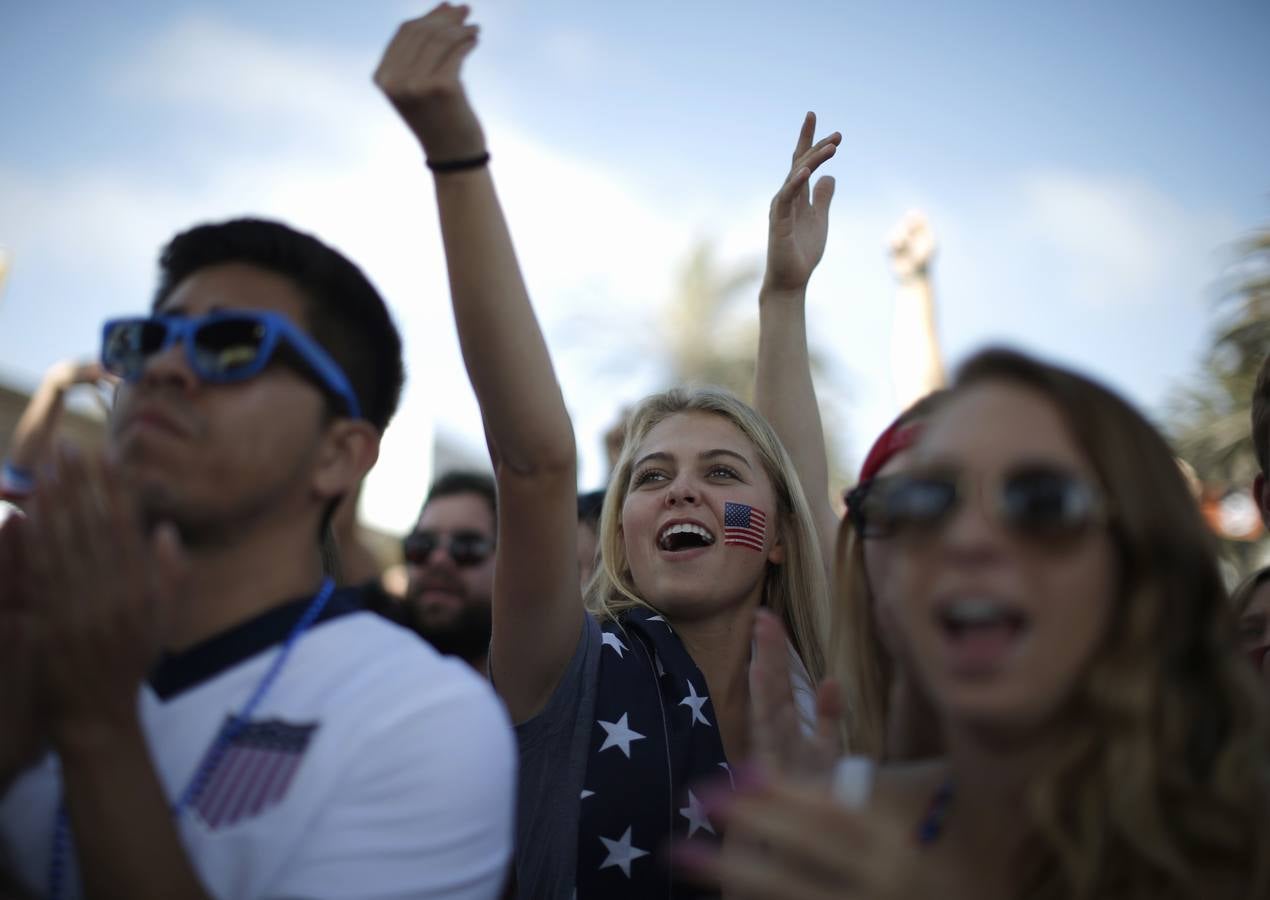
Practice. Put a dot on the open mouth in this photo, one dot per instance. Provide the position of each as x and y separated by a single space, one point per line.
981 632
683 536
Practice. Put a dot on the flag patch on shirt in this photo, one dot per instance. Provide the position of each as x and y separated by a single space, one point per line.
744 525
254 771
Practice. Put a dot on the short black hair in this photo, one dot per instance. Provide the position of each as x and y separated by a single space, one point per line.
346 315
589 506
456 482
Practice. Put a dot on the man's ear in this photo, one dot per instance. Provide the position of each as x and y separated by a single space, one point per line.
349 448
1262 496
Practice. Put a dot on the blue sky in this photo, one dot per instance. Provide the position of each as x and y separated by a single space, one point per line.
1086 167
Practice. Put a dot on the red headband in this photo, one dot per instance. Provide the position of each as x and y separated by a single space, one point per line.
898 436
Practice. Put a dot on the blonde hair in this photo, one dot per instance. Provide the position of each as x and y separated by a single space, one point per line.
860 660
795 590
1158 784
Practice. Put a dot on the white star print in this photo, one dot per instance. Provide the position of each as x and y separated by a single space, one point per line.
725 767
695 815
619 735
586 793
609 639
661 619
621 853
661 670
695 703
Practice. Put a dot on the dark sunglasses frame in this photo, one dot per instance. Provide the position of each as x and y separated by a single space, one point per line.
275 333
466 548
1084 505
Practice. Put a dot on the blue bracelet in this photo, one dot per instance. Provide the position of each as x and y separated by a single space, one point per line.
16 479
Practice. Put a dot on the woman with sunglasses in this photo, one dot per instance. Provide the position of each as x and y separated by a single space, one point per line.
619 712
1060 603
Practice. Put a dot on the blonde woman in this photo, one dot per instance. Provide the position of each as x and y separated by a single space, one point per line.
621 712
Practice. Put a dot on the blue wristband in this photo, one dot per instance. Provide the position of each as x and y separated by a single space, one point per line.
16 480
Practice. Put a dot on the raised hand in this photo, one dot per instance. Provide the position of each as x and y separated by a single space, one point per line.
419 74
780 742
798 221
912 246
103 589
71 372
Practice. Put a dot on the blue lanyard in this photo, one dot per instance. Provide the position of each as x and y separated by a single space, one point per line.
61 827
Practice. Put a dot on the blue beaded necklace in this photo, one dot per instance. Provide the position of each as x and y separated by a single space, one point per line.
61 826
932 824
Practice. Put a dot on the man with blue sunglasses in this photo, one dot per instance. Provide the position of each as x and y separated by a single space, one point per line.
190 706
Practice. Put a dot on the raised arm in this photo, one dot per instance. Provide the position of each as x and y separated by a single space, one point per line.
36 430
918 366
537 602
783 390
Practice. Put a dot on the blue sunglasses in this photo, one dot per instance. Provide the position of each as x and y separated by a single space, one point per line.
221 347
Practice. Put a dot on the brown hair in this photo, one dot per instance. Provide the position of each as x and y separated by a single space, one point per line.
1159 786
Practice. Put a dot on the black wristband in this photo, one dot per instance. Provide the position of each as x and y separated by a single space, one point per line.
458 165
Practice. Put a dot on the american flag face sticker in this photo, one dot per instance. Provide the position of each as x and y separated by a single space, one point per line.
253 773
744 526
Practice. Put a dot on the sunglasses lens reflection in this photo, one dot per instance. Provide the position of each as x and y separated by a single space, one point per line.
129 342
228 347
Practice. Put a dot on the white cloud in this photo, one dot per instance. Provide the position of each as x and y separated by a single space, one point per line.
588 242
215 66
1119 240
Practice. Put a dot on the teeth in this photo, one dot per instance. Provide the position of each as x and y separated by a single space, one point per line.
975 612
664 537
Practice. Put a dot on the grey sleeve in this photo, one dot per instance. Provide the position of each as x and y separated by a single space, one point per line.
553 748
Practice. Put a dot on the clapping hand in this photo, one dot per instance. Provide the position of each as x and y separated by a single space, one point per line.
21 738
789 841
781 743
100 591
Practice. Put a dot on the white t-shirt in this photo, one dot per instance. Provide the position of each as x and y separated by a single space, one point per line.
374 768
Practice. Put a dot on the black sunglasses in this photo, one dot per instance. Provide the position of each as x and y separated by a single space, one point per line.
466 548
1037 501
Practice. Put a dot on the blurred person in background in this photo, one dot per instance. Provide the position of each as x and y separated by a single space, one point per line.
1261 440
1251 602
1060 603
36 433
590 505
450 566
917 364
174 656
